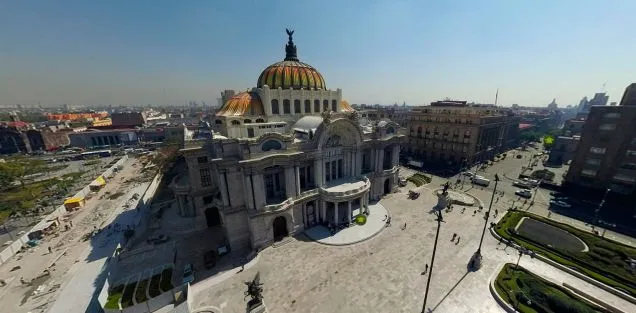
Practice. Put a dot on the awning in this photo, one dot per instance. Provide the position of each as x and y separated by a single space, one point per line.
73 200
99 181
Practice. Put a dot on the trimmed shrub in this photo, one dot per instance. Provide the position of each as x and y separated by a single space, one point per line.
114 295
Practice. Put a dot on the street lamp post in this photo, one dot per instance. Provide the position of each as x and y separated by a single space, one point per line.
600 206
476 259
430 273
519 259
536 189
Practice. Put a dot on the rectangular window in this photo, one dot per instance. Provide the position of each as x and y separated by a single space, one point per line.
206 179
307 106
631 153
202 160
327 171
607 127
334 105
286 107
593 161
297 106
316 106
597 150
612 115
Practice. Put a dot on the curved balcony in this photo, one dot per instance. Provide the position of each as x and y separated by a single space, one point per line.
345 188
279 206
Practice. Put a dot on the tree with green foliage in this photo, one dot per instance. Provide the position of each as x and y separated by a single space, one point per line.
20 169
548 142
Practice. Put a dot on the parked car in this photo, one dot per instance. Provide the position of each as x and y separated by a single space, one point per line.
521 184
523 193
564 199
532 182
188 273
209 259
468 174
560 204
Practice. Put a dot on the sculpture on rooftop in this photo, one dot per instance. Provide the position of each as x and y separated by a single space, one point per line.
290 48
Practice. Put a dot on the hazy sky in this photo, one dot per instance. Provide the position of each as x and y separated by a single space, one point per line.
155 51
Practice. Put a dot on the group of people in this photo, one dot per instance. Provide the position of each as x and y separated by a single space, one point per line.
453 238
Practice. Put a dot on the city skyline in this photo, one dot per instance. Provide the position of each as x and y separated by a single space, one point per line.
382 52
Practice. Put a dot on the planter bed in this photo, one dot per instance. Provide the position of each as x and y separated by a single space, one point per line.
605 261
114 294
529 293
166 280
153 288
140 292
127 296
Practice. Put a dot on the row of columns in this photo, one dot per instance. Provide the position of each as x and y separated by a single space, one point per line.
364 203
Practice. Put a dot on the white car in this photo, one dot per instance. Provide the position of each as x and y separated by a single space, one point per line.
523 193
188 274
560 204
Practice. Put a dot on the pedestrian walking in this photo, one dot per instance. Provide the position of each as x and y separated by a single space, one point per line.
426 268
404 227
50 250
454 236
474 212
496 212
71 223
385 217
457 242
463 209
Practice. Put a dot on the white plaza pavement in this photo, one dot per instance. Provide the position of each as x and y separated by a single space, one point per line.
355 233
384 274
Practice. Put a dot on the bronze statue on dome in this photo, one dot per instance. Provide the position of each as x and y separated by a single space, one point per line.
290 33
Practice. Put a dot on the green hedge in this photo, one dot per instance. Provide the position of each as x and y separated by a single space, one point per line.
419 179
126 298
605 261
113 297
140 292
529 293
166 280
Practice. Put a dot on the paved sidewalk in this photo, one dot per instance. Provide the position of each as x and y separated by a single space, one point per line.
384 274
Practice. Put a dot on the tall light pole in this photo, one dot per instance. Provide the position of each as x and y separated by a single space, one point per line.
430 273
476 259
536 189
600 206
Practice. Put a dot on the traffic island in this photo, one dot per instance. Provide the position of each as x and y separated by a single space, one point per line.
595 257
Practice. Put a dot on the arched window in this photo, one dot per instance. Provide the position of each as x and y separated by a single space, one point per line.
419 131
247 121
219 122
275 109
307 106
316 106
286 107
260 120
325 105
297 106
235 122
334 105
271 145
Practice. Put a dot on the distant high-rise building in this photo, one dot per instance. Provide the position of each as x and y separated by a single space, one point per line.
553 105
582 104
629 97
600 98
226 95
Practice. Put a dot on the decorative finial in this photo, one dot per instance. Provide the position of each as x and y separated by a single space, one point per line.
290 48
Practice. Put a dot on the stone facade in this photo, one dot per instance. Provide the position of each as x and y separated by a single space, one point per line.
325 171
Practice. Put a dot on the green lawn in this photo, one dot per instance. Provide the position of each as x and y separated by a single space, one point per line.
113 297
529 293
419 179
606 260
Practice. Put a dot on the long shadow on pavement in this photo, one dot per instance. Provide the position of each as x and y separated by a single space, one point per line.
449 292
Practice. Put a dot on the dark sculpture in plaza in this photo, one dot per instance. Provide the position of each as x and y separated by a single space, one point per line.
254 290
446 186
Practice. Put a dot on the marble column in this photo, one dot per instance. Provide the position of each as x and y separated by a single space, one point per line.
335 213
297 181
323 211
349 211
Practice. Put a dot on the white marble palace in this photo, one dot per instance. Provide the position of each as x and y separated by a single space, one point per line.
291 154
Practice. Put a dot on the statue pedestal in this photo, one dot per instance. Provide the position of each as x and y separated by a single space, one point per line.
256 307
475 262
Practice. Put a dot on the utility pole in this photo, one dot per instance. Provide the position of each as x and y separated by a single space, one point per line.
476 260
430 273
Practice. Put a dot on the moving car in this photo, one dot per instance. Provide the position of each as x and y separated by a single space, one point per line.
523 193
560 204
188 273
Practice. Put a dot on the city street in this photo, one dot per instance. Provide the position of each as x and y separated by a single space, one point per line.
68 251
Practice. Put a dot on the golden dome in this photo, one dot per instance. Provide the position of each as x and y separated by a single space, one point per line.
291 73
346 107
244 103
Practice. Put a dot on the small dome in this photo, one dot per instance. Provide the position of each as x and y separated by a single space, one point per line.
291 75
245 103
346 107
